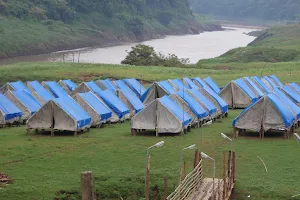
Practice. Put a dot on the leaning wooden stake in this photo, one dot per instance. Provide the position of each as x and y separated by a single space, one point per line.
224 176
87 185
196 158
165 188
147 179
184 169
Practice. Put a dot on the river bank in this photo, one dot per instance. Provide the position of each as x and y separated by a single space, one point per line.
23 38
191 46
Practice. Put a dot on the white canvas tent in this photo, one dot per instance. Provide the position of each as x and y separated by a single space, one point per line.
125 100
268 113
82 88
27 105
60 114
157 90
185 106
157 116
95 116
235 96
212 100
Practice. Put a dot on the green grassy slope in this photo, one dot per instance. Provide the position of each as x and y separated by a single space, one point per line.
277 44
222 73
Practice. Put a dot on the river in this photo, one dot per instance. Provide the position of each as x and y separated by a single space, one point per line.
194 47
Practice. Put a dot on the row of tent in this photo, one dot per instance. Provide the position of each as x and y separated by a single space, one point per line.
269 105
172 106
46 104
50 105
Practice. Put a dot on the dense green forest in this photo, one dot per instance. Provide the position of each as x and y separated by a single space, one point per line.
272 10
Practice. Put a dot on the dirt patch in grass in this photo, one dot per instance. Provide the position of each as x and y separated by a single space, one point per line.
4 179
223 67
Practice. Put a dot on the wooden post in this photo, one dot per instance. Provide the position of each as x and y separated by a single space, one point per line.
229 170
233 171
75 133
224 176
87 185
184 169
179 186
180 175
165 188
235 132
196 158
52 132
147 179
157 134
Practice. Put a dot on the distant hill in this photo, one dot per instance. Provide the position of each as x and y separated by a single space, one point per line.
273 10
40 26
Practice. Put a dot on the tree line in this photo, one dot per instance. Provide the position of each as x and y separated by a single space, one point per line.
279 10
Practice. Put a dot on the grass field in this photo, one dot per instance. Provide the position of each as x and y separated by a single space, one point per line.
45 168
221 73
42 166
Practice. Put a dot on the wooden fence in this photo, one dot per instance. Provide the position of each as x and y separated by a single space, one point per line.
189 185
196 187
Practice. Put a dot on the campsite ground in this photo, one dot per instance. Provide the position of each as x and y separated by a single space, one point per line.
44 168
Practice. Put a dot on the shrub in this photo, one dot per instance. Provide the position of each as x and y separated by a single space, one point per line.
37 13
146 56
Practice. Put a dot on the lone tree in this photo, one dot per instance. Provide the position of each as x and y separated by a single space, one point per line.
146 56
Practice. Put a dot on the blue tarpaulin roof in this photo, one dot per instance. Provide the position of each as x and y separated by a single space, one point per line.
178 83
135 86
104 112
288 101
276 80
286 114
71 107
295 86
212 84
262 84
70 84
93 86
254 86
28 100
167 87
197 109
270 82
56 89
246 89
210 106
133 99
221 102
19 85
176 110
8 108
200 81
114 103
190 83
40 90
292 93
108 84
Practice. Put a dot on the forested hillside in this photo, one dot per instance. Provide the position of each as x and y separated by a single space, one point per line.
274 10
35 26
68 10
